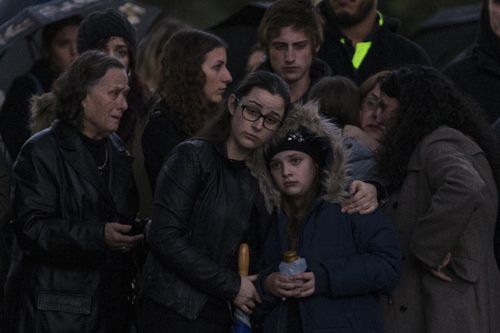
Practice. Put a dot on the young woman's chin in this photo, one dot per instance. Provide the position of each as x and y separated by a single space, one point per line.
293 192
251 143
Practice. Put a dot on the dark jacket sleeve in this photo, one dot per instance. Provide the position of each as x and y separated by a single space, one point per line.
42 229
179 184
271 258
159 138
376 267
453 178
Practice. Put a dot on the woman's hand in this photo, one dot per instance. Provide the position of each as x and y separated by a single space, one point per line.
308 284
116 238
248 295
363 198
283 286
438 273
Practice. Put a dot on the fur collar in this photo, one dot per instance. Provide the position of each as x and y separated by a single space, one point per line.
42 111
334 179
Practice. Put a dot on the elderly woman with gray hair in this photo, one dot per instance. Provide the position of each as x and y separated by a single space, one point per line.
73 203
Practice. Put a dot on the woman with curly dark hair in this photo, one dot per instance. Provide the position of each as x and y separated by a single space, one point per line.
440 163
191 87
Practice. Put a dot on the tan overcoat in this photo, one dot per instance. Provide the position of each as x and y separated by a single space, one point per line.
447 204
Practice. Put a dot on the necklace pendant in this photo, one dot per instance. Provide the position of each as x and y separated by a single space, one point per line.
100 168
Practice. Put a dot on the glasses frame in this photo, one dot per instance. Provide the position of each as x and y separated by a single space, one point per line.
261 115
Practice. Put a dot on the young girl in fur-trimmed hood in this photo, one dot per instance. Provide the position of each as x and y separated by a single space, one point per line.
350 258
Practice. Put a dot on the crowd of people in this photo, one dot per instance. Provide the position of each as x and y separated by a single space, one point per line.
130 176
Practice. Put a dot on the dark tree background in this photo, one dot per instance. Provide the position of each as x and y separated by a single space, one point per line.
412 12
206 13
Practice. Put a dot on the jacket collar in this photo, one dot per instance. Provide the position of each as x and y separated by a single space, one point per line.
77 156
220 148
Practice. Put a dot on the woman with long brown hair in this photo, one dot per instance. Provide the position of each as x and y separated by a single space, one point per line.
206 203
192 83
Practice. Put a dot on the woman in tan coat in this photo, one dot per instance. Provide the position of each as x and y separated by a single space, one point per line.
438 159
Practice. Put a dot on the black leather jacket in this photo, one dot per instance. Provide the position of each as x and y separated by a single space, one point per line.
202 210
63 277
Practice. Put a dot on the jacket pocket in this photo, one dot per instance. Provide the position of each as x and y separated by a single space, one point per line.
466 269
60 302
62 312
444 302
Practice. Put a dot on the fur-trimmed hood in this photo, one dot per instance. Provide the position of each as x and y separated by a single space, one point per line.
42 111
334 179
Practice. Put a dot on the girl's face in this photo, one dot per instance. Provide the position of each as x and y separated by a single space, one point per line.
217 76
294 172
246 135
117 47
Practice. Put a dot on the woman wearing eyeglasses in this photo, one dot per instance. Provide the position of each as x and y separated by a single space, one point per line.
373 130
206 203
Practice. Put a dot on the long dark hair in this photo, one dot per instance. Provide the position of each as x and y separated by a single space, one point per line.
427 101
149 53
182 79
71 88
219 128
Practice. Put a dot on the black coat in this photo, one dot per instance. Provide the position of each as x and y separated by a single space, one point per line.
63 277
162 133
388 49
15 114
203 208
478 73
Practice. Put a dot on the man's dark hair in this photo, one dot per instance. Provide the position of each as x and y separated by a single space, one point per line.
300 14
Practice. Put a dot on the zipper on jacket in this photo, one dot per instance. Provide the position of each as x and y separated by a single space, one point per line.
280 316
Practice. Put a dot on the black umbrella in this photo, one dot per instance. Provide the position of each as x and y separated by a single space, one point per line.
18 42
32 18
